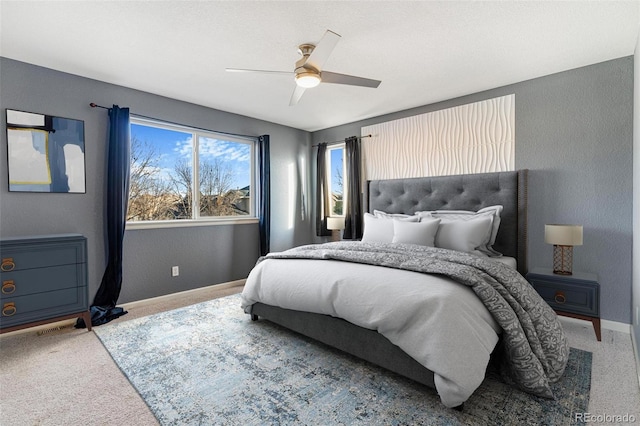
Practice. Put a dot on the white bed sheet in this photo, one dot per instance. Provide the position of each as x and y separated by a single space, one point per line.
440 323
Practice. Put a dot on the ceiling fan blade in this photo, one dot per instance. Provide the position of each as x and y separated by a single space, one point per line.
297 94
259 71
335 78
323 50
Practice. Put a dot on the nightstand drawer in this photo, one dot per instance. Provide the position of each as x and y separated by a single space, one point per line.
560 297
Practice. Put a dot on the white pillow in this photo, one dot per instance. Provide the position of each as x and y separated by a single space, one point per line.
380 230
466 215
422 233
465 235
494 211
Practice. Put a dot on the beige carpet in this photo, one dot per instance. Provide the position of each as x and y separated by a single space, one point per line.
66 377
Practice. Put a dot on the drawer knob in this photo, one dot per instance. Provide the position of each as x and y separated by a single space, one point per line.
560 298
7 264
9 309
8 287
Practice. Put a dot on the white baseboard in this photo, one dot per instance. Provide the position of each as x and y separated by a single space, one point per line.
636 349
606 324
143 302
616 326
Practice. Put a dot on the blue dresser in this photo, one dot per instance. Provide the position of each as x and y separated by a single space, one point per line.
44 279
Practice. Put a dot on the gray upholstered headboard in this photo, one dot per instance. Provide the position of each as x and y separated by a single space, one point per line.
462 192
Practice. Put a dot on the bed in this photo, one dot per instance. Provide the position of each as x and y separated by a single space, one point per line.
370 340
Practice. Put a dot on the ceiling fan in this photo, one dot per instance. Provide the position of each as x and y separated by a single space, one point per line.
308 70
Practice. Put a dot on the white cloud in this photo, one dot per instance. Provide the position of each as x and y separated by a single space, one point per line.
224 150
184 147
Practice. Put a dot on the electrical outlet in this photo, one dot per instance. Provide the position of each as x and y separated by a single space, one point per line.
175 271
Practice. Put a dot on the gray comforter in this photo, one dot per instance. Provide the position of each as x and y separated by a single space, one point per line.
534 344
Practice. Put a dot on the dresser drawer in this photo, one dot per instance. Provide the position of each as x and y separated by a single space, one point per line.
29 281
35 307
20 257
575 297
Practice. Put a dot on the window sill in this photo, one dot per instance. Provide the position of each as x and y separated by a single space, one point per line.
155 224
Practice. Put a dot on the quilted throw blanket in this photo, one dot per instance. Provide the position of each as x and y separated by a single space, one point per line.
535 347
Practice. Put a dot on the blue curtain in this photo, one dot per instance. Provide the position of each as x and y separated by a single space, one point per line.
264 203
104 307
353 212
322 192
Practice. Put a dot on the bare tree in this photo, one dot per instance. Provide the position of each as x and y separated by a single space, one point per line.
149 197
182 184
217 197
338 193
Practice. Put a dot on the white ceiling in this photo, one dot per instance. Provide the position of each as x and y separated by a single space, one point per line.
424 51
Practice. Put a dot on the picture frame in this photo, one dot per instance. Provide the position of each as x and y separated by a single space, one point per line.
45 153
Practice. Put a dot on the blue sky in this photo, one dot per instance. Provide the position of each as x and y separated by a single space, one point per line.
172 145
336 161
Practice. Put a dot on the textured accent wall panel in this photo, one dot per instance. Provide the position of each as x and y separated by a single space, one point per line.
472 138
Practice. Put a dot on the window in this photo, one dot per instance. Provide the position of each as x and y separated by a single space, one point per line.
336 173
180 173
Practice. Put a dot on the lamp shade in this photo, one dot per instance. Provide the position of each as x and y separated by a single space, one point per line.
563 235
335 223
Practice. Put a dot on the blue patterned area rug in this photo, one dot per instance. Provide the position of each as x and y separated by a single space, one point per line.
209 364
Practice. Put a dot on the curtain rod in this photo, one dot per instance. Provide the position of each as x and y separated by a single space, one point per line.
94 105
342 141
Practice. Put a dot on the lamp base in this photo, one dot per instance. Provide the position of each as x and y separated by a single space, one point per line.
335 235
562 260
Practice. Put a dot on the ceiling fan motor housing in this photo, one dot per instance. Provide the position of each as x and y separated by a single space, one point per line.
306 75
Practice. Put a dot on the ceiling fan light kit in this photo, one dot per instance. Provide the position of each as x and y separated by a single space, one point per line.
308 70
307 79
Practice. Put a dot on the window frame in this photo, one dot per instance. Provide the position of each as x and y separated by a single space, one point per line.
329 171
196 218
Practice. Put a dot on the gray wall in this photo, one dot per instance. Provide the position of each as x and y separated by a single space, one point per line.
636 206
206 254
574 133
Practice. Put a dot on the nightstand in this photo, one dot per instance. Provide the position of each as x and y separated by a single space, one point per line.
575 296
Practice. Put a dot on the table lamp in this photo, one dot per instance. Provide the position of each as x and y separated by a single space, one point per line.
563 238
335 225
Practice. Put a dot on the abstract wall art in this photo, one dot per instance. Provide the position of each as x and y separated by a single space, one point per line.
45 153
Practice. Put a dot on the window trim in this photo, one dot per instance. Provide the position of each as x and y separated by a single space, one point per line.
197 219
329 172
